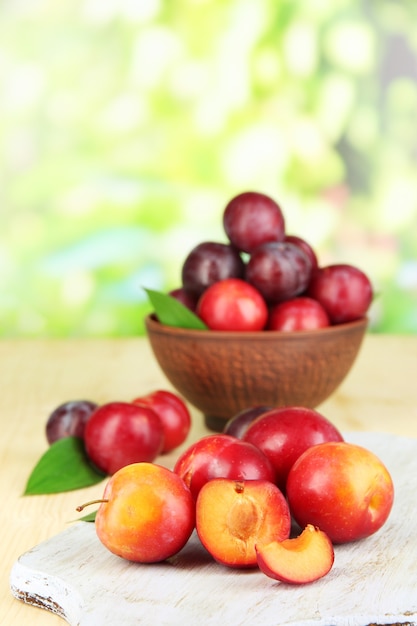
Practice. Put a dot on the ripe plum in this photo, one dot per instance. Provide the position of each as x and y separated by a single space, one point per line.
233 304
300 313
237 425
343 290
69 420
120 433
209 262
222 456
184 297
173 413
305 246
284 433
279 270
252 218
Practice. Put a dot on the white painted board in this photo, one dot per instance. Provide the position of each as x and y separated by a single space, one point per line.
373 581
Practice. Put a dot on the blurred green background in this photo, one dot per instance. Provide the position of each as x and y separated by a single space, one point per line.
127 125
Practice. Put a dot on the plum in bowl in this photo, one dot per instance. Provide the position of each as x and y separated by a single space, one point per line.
224 372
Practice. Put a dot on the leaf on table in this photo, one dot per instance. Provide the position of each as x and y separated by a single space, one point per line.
90 517
171 312
63 467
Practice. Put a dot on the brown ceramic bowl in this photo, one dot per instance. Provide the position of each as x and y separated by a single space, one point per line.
222 373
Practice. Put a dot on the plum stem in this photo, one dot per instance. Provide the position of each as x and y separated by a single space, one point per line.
81 507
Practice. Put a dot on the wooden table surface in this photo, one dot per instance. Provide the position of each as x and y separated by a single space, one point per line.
379 395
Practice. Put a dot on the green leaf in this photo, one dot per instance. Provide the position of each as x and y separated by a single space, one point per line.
64 467
90 517
171 312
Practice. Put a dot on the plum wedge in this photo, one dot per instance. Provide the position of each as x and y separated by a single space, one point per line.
300 560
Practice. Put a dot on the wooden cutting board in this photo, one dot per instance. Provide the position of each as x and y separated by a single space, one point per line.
373 581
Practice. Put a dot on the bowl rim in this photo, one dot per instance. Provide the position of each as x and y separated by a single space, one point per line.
152 324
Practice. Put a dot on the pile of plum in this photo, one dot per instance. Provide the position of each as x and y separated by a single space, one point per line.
266 279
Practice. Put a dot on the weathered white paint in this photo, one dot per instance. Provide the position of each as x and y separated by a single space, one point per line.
373 581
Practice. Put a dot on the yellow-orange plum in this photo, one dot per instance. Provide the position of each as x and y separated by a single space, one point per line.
147 513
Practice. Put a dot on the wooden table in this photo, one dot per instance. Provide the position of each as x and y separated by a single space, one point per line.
380 395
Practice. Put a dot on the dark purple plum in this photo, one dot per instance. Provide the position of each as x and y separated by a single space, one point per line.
184 297
69 420
251 219
208 263
237 425
279 271
305 246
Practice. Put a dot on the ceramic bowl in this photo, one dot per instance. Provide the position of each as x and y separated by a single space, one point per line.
222 373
